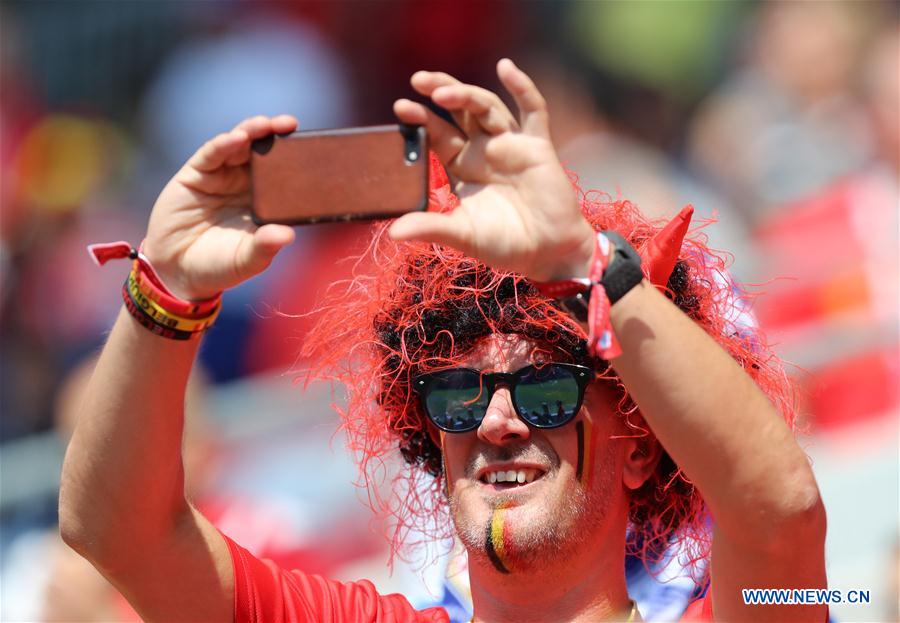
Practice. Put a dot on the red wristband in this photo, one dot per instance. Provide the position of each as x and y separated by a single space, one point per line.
150 283
602 341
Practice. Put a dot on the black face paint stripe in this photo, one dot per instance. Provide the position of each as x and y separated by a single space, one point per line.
579 430
492 553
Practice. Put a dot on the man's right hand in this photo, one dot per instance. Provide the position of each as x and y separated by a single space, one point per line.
201 238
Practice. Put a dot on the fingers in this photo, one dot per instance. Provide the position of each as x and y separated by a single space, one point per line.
532 106
479 110
272 237
216 151
257 127
426 82
488 110
445 229
267 241
475 109
282 124
233 148
260 125
443 138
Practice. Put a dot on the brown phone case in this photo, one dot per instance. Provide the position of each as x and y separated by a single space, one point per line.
343 174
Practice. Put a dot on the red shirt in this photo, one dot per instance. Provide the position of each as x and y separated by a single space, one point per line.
699 611
265 593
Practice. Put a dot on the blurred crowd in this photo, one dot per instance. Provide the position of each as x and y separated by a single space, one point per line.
778 121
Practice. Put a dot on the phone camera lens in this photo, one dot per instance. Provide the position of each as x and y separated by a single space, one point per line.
411 142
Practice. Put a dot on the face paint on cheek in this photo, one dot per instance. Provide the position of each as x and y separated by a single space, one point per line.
447 476
498 542
584 468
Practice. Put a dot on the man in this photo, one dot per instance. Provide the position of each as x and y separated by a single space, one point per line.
479 379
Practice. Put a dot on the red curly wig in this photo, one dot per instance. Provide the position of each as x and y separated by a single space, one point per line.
413 307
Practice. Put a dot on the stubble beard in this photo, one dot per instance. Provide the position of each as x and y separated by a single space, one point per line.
538 532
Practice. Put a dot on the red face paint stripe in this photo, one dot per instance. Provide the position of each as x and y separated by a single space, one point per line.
508 552
447 475
587 468
579 466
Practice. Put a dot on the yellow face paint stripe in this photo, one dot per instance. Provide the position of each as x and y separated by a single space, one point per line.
497 547
497 534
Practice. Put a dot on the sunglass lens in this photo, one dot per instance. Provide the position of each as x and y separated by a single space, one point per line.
547 396
456 400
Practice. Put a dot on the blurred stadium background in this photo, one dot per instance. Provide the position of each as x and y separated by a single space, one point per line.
779 119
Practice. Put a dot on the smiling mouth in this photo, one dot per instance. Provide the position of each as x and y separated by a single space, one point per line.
511 478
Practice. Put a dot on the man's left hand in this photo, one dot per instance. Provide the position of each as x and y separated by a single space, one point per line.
518 210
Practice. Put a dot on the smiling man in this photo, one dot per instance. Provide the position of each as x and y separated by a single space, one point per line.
551 447
519 499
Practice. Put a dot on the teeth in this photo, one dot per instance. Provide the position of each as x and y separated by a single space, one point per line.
521 476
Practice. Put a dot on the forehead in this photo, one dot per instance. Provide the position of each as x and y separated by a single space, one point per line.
500 352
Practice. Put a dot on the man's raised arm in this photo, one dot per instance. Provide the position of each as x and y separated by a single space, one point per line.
733 444
122 500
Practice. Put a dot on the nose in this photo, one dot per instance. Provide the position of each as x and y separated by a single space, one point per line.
501 425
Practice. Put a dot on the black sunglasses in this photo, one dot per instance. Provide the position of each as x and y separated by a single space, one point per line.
544 396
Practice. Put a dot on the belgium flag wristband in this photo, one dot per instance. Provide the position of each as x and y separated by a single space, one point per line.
151 303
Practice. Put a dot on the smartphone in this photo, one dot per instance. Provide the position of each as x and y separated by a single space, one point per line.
321 176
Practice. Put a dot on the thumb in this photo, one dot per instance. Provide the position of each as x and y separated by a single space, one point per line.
450 229
267 241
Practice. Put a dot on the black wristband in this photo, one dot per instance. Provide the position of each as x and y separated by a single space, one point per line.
624 270
621 275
